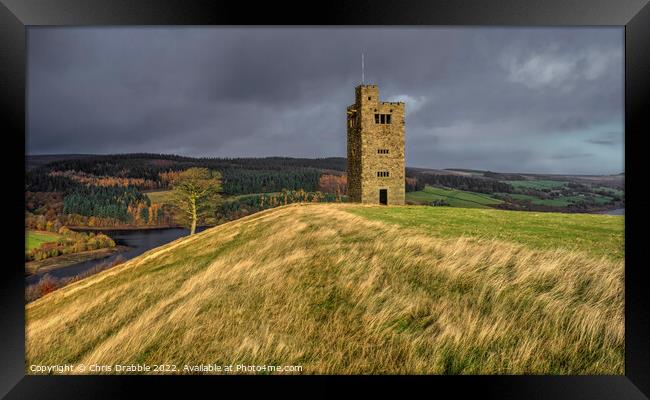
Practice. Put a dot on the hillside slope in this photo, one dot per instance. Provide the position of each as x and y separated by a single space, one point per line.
335 292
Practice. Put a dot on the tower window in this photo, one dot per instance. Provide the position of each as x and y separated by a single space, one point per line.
383 174
382 118
369 97
382 151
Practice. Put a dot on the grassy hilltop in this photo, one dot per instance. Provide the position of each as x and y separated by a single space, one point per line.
341 288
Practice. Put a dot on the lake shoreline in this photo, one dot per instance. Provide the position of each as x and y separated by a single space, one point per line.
121 228
130 243
130 228
614 211
66 260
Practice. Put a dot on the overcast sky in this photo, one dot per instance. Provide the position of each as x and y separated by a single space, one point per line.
548 100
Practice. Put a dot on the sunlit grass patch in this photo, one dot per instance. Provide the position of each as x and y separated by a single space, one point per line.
34 239
595 234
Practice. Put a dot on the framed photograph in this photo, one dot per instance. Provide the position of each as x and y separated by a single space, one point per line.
427 194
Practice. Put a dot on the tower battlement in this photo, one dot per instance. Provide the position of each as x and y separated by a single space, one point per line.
375 130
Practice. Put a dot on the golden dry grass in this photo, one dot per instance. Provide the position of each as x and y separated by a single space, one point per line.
316 286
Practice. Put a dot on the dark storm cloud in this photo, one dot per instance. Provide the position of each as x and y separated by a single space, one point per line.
491 98
607 139
570 156
604 142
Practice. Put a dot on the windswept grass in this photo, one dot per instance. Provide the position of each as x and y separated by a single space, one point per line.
594 234
317 286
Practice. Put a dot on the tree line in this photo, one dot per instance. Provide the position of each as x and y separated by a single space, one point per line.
259 181
70 242
148 166
40 180
153 171
104 201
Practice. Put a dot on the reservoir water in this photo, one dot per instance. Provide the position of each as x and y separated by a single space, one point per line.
617 211
138 241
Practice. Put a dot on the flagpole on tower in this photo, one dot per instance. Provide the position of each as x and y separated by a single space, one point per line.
363 78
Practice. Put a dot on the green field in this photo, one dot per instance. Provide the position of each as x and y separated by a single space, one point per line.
161 196
537 184
602 199
593 233
561 201
456 198
614 192
34 239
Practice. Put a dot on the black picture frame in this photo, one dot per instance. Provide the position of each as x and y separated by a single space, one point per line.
634 15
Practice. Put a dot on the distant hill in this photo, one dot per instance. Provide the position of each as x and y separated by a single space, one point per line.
354 289
333 163
336 163
32 161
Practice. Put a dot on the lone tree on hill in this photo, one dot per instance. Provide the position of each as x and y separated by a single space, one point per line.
196 193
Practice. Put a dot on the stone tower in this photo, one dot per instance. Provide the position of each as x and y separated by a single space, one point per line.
375 149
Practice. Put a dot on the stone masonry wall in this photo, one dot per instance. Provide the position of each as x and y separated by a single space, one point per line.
354 155
365 139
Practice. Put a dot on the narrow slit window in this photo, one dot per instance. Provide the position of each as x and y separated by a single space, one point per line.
382 118
388 118
376 118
